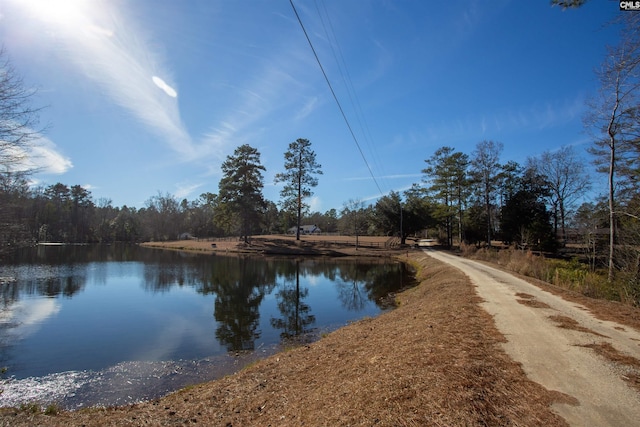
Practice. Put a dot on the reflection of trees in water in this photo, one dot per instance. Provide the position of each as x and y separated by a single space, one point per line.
358 281
7 341
240 285
352 295
50 281
296 318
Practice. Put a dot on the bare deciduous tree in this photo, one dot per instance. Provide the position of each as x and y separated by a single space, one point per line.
18 118
565 178
613 118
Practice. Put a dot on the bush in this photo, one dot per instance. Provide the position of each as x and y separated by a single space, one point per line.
571 274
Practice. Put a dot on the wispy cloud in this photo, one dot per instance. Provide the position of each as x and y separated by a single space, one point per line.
378 195
272 88
115 54
186 189
41 155
533 117
307 108
46 158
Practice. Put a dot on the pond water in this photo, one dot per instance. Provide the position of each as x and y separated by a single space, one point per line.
106 325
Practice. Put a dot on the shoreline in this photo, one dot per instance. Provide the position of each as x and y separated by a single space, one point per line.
332 246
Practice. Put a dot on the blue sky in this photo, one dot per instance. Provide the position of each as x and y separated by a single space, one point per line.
148 96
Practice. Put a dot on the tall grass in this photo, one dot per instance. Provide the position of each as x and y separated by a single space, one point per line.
570 274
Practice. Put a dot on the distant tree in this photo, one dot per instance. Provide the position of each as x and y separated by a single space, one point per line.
56 216
82 209
524 216
127 227
314 218
271 219
162 217
209 204
565 177
509 181
588 220
387 214
485 172
14 218
330 224
417 212
241 188
104 214
299 178
475 229
446 181
353 219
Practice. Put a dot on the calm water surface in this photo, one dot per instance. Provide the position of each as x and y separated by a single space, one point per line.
87 325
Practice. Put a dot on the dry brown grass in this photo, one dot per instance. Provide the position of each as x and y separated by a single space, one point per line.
530 300
565 322
313 245
436 360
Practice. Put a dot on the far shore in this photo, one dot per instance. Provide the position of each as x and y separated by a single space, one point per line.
308 245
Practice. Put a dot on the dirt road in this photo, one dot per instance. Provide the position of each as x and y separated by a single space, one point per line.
550 337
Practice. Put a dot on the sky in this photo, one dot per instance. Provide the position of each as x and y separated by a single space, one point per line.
148 97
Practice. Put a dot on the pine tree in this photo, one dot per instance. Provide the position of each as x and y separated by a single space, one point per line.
240 188
300 167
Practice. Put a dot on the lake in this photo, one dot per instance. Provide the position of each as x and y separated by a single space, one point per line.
106 325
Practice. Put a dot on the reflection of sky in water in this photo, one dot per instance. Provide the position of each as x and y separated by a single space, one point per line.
26 316
96 315
112 319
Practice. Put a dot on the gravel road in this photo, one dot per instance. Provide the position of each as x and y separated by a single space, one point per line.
556 357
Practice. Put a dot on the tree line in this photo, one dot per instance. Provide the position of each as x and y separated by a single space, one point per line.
462 198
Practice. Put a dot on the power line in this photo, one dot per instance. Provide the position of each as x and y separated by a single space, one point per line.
335 97
342 65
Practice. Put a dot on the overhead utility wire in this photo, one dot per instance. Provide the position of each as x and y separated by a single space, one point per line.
335 97
350 89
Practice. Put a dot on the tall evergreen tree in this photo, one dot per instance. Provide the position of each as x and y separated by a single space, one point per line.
299 178
524 216
240 188
387 215
485 171
447 182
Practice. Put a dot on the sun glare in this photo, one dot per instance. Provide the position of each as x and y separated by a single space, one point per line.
67 13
